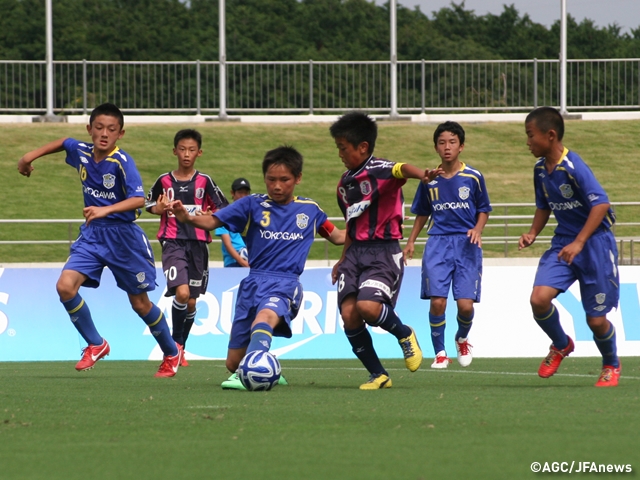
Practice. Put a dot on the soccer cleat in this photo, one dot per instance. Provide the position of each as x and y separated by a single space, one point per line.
550 364
609 376
377 382
411 351
234 383
183 362
463 347
91 354
170 364
441 360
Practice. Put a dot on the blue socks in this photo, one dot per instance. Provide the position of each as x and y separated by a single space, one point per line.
607 346
550 324
362 345
160 330
261 335
178 316
80 316
464 325
437 324
389 321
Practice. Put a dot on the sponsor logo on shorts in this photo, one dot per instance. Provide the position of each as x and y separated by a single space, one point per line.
566 190
108 180
302 220
377 285
143 285
274 299
600 298
357 209
463 192
270 304
140 277
600 308
195 283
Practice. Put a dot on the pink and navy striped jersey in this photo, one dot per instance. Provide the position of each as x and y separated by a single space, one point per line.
200 192
371 200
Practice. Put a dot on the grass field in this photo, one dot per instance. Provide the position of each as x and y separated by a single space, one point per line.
230 150
488 421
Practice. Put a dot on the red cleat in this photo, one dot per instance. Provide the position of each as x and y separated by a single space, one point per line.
170 364
550 365
91 354
609 376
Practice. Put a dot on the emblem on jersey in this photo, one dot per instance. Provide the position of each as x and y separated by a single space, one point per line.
365 187
593 197
302 220
199 192
600 298
464 192
140 277
566 190
108 180
265 204
274 299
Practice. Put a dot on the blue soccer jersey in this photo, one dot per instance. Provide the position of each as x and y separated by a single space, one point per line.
278 236
453 203
570 191
105 183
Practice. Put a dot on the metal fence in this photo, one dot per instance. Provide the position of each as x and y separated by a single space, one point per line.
308 87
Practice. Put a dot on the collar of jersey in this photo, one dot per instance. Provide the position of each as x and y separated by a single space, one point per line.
355 172
115 149
462 167
565 152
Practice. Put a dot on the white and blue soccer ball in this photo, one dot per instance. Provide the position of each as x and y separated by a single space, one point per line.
259 370
244 253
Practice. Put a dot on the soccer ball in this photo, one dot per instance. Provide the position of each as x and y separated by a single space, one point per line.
259 370
244 253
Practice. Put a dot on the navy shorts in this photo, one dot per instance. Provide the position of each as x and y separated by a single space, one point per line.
595 267
122 247
186 262
451 259
372 271
279 292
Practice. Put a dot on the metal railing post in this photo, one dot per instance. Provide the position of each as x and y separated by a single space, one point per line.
535 83
310 87
84 86
422 87
198 108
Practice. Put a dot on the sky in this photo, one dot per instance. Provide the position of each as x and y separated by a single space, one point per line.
626 13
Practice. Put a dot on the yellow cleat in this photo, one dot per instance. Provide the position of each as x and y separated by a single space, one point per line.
376 382
411 351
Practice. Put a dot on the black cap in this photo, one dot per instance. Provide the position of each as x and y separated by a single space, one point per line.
239 184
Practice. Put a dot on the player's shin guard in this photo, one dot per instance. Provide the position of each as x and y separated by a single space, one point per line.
160 330
464 325
261 335
362 345
178 316
188 323
608 348
550 324
388 320
80 316
437 323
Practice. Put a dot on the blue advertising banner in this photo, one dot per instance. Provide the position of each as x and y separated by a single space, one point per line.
35 326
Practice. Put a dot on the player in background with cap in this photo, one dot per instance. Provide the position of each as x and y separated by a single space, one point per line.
234 250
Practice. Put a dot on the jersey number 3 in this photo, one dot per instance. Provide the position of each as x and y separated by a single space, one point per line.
266 219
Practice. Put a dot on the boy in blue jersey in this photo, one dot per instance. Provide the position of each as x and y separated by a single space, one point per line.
279 229
583 247
458 205
234 250
113 197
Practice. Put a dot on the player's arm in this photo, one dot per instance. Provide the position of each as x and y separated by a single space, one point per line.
205 222
405 170
329 231
540 219
24 164
131 203
226 241
418 225
475 234
594 220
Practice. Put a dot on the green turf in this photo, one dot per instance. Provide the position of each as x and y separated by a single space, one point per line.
488 421
499 150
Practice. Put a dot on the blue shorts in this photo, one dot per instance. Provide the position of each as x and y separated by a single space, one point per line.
371 270
451 258
279 292
595 267
122 247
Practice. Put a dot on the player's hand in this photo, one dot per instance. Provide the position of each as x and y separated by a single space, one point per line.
162 203
208 211
334 272
475 237
179 211
526 240
242 262
407 253
569 252
92 213
24 167
430 175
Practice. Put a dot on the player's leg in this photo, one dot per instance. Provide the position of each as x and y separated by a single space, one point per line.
188 323
198 268
175 265
465 320
179 312
437 324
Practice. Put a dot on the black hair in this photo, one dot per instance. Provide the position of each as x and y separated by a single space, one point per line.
356 127
107 109
452 127
547 118
188 133
283 155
